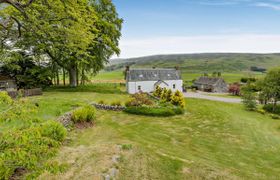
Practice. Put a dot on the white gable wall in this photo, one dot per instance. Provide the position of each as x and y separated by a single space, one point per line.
148 86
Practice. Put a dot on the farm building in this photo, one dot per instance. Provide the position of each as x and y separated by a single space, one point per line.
7 83
146 80
211 84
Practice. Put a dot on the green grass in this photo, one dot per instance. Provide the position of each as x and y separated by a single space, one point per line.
229 77
104 88
213 140
54 104
223 95
112 75
187 76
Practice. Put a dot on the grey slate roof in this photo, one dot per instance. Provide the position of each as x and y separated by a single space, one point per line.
211 81
153 74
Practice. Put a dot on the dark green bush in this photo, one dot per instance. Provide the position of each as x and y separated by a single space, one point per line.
54 130
270 108
275 116
84 114
155 111
249 100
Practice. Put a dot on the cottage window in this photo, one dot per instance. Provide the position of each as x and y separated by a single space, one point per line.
139 88
174 86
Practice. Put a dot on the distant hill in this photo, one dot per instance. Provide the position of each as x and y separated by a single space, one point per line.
208 62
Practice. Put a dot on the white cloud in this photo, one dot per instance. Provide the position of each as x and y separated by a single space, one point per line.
200 44
269 5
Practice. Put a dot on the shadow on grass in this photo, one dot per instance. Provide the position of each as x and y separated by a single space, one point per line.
105 88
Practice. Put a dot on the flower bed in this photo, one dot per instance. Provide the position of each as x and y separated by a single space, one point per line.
163 103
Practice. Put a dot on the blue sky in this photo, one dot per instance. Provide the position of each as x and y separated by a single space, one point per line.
171 26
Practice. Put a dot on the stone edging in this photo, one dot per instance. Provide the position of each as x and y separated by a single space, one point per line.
107 107
65 119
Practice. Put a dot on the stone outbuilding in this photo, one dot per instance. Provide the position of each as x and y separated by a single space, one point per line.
211 84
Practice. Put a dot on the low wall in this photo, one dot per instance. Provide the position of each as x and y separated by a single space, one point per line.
107 107
26 92
66 120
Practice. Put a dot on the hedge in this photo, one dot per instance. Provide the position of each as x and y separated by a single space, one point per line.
155 111
269 108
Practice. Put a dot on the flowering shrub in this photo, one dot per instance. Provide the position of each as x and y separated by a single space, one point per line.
235 89
139 100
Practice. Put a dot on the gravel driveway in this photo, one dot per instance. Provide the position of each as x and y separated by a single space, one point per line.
213 98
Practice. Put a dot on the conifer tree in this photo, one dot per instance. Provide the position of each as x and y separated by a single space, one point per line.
178 99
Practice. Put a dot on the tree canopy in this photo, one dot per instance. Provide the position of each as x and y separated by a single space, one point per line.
76 36
270 86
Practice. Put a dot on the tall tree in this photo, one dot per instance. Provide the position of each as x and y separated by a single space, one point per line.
77 35
270 86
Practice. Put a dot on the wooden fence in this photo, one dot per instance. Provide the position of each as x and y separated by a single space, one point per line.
26 92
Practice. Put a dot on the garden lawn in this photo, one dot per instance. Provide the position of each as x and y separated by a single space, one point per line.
213 140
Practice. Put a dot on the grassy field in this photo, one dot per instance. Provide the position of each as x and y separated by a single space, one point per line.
187 76
212 140
113 75
208 62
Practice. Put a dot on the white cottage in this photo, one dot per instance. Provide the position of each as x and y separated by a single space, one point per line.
146 80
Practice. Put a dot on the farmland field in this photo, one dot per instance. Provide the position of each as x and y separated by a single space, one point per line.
212 140
187 76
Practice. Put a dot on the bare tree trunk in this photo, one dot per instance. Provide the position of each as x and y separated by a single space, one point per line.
57 77
274 105
63 71
53 80
73 76
77 75
83 77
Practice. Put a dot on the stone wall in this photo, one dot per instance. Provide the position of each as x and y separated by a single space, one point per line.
26 92
66 120
108 108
